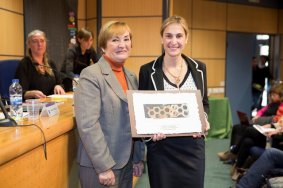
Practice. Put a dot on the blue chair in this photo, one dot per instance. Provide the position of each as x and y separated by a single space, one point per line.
7 73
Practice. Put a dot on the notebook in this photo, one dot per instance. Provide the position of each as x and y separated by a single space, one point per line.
263 130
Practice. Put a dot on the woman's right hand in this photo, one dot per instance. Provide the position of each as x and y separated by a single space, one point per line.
107 178
59 90
255 118
34 94
157 137
275 132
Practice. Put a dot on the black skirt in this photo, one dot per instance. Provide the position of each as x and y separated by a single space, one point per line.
176 162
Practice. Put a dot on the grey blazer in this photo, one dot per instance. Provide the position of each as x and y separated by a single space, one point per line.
102 117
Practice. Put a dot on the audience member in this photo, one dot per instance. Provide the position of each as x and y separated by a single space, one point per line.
106 146
175 161
252 137
260 71
37 74
265 115
255 176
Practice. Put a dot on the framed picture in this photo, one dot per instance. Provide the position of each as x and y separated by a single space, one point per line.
174 113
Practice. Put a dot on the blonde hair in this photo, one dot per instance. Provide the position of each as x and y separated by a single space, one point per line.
174 19
110 29
45 58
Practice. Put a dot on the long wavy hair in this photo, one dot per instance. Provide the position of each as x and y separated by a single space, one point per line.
45 58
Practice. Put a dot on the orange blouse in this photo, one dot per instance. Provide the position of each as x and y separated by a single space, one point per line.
117 68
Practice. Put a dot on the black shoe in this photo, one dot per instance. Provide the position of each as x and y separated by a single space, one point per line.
229 161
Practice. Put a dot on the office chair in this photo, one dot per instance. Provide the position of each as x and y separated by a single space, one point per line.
7 73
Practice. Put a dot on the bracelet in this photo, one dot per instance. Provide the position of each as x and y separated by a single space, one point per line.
146 140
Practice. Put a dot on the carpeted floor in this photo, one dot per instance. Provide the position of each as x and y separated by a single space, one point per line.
217 174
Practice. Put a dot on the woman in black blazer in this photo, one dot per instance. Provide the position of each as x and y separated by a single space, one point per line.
175 161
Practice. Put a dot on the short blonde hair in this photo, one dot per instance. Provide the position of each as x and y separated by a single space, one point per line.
174 19
110 29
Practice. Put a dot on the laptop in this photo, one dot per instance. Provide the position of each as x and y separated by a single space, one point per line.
244 118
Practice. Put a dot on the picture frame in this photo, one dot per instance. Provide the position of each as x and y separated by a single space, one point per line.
173 113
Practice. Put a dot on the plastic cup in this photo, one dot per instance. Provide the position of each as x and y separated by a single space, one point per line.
33 108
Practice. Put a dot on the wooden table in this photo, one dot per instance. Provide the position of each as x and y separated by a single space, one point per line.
22 161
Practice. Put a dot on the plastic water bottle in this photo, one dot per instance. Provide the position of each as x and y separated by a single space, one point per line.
16 99
75 81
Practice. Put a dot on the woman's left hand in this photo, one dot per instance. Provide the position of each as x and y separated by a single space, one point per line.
59 90
138 168
207 127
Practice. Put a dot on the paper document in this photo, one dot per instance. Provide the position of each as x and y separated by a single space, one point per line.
2 116
66 96
263 130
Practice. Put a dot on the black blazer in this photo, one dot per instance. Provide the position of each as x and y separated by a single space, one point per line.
151 77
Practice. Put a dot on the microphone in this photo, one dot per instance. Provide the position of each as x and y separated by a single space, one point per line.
8 121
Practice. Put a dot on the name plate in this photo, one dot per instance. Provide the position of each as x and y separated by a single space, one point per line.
50 109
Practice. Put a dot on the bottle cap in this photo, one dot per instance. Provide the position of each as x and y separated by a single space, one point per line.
15 81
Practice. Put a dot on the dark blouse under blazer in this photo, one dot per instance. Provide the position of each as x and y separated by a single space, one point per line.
151 77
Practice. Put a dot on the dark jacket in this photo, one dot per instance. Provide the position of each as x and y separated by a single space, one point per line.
75 61
30 79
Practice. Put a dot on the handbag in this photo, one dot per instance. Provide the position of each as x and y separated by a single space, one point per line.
276 182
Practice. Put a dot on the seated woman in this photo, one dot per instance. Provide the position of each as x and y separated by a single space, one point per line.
270 159
251 138
37 74
264 116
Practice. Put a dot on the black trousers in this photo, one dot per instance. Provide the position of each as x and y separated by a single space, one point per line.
237 133
250 138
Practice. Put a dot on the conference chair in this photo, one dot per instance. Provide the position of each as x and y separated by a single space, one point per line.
7 73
